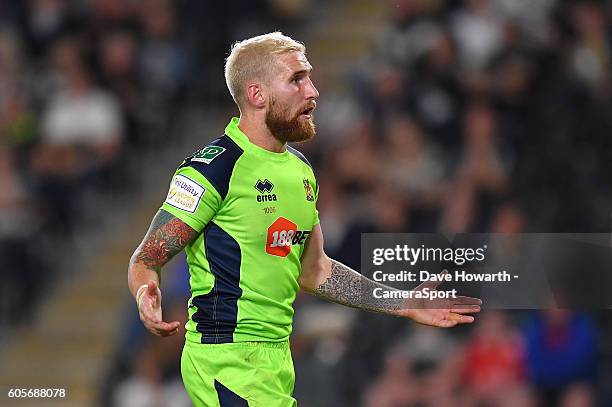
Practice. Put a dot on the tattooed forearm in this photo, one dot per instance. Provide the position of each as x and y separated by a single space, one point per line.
166 237
347 287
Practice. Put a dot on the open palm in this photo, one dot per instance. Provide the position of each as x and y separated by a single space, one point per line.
441 312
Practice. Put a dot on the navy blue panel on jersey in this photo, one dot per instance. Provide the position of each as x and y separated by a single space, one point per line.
298 155
301 157
228 398
219 170
217 311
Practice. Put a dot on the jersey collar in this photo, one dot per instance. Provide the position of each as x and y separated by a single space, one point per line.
234 132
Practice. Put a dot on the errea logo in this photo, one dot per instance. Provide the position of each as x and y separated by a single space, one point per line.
265 188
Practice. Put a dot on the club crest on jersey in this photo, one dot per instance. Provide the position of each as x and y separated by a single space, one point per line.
207 154
308 189
265 189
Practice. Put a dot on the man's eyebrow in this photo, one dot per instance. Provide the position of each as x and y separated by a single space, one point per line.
302 71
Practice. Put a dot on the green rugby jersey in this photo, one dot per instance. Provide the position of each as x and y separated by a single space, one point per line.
254 210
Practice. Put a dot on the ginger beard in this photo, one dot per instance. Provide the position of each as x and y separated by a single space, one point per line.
289 127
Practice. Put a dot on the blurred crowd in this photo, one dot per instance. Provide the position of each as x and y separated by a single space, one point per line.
87 89
466 116
469 116
75 94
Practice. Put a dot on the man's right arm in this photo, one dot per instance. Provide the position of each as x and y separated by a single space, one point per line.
192 202
166 237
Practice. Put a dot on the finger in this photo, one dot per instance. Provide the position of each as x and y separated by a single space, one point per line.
466 309
467 300
176 324
460 319
165 327
170 333
446 323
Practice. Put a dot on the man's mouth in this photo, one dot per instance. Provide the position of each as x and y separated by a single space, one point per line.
307 113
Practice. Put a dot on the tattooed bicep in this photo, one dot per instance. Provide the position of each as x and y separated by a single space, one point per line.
166 237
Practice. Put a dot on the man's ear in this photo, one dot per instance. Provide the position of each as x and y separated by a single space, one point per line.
256 95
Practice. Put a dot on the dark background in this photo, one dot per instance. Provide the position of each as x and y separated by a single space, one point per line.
434 116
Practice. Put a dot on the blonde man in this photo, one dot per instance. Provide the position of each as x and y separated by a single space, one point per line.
244 210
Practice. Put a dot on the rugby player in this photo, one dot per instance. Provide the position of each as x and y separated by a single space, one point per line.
244 210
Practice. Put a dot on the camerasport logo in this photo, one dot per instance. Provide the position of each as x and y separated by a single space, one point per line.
282 234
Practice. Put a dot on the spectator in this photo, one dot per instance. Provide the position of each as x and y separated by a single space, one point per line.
578 395
435 93
164 67
164 62
479 34
81 136
22 273
494 359
146 387
118 54
409 34
482 163
590 56
396 386
561 351
412 165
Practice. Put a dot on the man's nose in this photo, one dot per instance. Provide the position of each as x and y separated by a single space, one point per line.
311 90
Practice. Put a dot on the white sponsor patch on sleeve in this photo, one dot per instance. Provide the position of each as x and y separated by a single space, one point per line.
185 193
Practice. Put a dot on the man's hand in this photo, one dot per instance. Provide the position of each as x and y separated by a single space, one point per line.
149 306
166 236
441 312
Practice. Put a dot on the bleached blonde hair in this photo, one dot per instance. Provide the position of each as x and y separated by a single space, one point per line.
252 59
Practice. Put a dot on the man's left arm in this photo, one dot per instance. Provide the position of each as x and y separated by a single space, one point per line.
335 282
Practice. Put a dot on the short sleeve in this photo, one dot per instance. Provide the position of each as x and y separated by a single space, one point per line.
192 198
